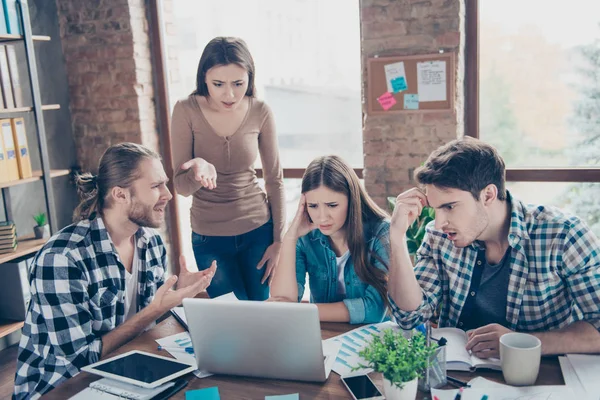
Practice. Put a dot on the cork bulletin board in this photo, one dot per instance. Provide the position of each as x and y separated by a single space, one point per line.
419 83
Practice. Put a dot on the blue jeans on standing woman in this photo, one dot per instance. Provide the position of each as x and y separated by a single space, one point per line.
237 258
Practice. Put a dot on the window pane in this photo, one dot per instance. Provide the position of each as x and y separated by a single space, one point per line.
540 81
580 199
308 67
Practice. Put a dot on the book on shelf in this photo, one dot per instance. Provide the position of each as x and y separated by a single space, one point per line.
12 17
8 240
15 82
8 248
11 164
7 228
7 94
23 154
457 356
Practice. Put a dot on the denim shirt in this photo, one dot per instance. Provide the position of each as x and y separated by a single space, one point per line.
315 256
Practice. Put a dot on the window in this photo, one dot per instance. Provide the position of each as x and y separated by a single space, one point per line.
533 91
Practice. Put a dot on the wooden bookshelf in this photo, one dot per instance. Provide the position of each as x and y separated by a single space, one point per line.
7 37
7 327
27 109
27 244
37 175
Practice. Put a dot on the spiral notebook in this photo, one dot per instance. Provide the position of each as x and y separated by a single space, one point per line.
106 389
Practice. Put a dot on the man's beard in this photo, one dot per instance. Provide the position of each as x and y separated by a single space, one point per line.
141 215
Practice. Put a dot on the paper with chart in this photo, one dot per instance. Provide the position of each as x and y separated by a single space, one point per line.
182 340
431 81
351 344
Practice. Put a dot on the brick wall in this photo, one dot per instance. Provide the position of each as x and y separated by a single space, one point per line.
395 144
107 53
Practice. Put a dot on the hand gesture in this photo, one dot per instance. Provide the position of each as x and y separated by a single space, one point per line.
204 172
301 224
271 259
408 208
191 283
484 342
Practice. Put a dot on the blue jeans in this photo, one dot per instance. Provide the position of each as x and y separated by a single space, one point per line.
237 258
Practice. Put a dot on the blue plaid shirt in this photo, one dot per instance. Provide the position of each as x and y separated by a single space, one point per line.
77 295
554 281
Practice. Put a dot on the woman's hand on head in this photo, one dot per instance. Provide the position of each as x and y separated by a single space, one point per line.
204 172
301 224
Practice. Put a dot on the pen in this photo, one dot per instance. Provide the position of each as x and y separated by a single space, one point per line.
454 381
189 350
459 394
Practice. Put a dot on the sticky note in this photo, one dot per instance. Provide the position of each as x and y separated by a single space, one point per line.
411 101
386 100
294 396
211 393
399 84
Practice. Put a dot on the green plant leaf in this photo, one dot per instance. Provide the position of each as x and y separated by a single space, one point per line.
413 246
391 203
40 219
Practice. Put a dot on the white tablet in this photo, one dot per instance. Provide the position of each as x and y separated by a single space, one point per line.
140 368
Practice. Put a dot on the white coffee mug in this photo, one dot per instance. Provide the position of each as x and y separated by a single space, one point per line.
520 354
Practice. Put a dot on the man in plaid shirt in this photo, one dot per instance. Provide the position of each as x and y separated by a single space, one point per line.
99 283
491 264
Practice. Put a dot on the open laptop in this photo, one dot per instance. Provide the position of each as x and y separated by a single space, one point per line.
260 339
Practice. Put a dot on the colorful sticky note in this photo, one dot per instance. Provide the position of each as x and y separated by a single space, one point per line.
294 396
399 84
411 101
386 100
211 393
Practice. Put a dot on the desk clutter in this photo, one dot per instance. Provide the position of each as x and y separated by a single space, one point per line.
212 393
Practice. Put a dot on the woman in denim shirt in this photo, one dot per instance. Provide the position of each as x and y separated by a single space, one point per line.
340 238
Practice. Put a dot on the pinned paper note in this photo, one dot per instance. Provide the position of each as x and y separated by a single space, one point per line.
431 81
386 100
411 101
211 393
294 396
395 77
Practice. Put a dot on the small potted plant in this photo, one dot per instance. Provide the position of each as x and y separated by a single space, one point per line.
415 232
41 230
401 361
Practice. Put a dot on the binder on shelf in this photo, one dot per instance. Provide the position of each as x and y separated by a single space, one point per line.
12 17
12 165
7 94
3 29
15 82
3 162
23 154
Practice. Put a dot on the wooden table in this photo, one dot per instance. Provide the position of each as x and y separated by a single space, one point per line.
233 387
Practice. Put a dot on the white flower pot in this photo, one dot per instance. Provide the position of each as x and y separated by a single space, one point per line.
408 391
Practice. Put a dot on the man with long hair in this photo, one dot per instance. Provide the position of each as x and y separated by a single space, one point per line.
100 282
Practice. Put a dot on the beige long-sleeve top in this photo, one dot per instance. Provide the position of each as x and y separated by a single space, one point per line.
238 204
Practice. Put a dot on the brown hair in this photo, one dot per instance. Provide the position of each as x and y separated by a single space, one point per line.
333 173
118 167
467 164
223 51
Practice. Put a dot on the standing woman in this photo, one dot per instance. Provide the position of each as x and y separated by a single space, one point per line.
217 133
340 238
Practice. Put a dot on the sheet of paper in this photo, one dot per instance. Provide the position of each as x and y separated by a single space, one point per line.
431 81
351 344
211 393
395 77
509 393
570 376
294 396
411 101
386 100
182 340
225 297
587 368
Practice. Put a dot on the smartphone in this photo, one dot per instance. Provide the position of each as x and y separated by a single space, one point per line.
361 387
